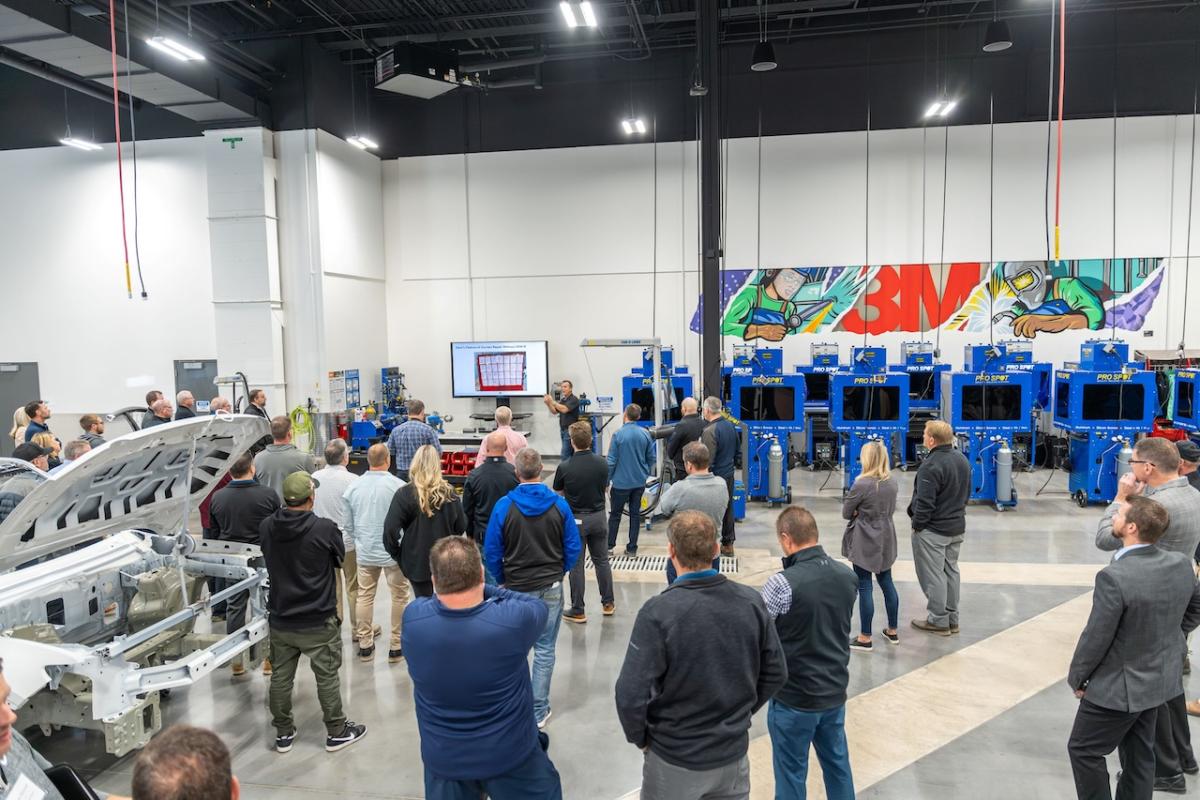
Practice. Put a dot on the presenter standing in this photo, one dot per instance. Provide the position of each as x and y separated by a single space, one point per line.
567 410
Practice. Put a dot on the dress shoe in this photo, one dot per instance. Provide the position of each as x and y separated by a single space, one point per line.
1175 784
1192 768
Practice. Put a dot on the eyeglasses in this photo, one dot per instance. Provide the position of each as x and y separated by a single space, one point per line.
1136 461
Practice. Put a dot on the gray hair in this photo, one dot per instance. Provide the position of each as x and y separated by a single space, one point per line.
712 405
75 448
528 463
159 405
335 452
220 404
503 415
182 396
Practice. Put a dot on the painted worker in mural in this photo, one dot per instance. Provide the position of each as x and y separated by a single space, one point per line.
765 308
1045 304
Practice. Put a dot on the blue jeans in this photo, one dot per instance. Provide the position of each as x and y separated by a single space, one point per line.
567 449
618 500
543 648
866 598
792 732
534 779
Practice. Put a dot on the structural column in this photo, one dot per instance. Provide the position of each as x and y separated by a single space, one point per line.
710 198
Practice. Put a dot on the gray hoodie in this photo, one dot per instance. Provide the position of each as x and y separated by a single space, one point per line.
706 493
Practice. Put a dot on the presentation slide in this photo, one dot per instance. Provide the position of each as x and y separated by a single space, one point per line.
491 369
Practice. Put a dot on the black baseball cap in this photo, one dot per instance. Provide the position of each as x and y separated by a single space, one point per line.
1188 450
29 451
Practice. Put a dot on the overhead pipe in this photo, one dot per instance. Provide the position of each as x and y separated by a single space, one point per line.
508 63
14 60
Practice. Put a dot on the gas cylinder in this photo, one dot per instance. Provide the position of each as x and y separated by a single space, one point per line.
1004 478
1123 459
775 472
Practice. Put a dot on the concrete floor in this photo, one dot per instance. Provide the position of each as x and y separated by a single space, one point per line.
984 714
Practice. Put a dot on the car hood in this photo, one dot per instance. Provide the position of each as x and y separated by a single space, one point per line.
151 479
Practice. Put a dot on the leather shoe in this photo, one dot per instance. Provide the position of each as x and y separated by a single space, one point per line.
1175 784
1192 768
925 625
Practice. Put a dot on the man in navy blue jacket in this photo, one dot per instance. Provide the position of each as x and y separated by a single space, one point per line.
631 460
478 734
531 542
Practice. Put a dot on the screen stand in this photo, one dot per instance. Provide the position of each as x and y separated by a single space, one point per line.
503 401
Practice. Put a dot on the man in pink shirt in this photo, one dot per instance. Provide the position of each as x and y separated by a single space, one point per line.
515 440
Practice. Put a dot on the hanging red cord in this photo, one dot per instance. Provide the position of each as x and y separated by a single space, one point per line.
112 31
1062 77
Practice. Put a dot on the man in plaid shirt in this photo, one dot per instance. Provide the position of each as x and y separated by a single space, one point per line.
406 438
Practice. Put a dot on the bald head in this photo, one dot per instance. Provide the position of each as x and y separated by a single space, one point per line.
689 406
495 444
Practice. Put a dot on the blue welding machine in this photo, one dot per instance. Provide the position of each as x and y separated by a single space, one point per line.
771 406
820 442
638 387
1103 403
866 403
1185 411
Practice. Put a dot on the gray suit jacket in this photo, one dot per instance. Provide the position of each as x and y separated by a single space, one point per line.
1130 655
1182 503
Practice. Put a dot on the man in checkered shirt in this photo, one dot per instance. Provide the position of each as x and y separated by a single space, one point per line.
407 437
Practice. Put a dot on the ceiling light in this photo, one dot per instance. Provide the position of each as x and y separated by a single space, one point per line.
997 37
933 110
362 142
947 107
764 58
627 126
568 14
79 144
174 48
589 14
633 125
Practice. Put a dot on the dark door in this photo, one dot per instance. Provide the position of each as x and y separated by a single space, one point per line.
19 384
197 375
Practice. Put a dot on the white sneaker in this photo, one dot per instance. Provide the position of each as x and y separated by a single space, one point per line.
541 723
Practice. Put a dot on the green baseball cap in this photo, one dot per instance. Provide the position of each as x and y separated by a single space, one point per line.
298 487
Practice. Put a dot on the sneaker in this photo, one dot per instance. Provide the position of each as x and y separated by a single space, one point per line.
727 550
954 629
366 654
893 637
541 723
609 609
575 615
395 655
266 667
237 671
859 644
283 741
630 553
349 735
924 625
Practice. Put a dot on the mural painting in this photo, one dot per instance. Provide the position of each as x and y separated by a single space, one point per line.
1013 298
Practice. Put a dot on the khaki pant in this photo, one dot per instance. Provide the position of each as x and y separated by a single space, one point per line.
368 581
348 610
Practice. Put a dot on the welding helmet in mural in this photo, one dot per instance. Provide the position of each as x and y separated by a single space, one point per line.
1026 280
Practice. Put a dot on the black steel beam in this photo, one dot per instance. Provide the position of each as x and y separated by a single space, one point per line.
54 75
708 33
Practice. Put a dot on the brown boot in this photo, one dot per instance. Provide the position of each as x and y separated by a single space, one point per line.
266 668
727 550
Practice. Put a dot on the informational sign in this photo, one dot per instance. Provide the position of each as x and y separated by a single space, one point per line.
337 390
606 404
353 389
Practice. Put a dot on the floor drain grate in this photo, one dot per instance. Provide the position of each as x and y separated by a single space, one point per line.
729 564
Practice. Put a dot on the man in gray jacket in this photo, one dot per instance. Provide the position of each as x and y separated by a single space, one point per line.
1154 472
280 458
1129 660
699 491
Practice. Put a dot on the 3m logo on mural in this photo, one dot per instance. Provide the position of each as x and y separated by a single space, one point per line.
1021 298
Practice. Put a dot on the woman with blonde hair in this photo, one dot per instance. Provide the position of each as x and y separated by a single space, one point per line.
47 442
870 541
20 423
422 511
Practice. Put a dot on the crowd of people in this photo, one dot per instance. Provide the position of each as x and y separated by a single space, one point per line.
487 573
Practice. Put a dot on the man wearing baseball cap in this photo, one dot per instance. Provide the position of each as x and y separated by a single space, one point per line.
1189 460
35 454
302 551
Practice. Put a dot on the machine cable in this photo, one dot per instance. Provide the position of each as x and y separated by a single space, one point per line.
1049 130
137 223
991 211
112 36
1113 264
1062 85
1187 256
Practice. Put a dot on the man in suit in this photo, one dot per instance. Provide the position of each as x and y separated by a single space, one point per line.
1154 473
1129 659
689 429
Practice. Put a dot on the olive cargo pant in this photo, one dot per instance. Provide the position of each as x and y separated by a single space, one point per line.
323 646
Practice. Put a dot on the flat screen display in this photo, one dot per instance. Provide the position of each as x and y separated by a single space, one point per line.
645 399
1185 399
920 385
871 403
1062 399
991 403
767 403
499 369
816 387
1116 401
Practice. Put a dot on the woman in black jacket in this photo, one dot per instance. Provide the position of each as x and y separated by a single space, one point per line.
422 511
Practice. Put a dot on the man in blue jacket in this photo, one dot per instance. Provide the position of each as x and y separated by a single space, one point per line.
630 461
476 720
531 542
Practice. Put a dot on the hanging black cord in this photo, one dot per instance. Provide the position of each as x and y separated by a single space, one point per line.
137 223
942 253
991 211
1187 257
1113 264
867 194
1049 130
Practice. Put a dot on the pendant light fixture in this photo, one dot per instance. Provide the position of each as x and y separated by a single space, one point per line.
997 38
764 52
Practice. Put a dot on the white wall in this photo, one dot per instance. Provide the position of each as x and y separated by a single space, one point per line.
61 258
566 244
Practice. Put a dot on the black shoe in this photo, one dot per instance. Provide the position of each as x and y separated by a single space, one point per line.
630 553
1176 784
395 656
366 654
283 741
859 644
349 735
1192 768
893 638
